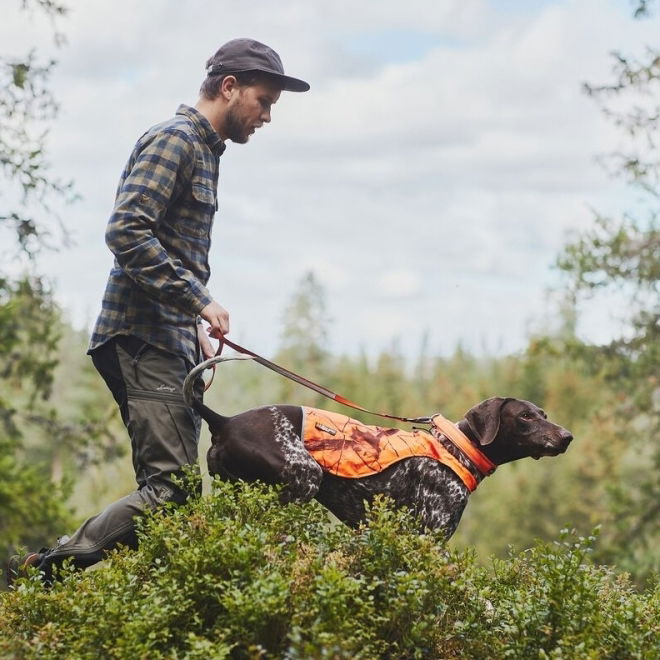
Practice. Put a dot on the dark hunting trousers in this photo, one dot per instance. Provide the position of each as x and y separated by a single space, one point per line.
147 385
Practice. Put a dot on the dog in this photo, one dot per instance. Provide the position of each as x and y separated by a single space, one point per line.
266 444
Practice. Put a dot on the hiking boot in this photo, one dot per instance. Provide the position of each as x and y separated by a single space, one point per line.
17 566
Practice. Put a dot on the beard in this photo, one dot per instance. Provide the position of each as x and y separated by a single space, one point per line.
234 129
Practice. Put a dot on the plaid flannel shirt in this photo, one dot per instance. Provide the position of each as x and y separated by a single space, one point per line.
160 234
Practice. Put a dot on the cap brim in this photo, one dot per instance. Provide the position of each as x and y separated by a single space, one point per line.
290 84
287 83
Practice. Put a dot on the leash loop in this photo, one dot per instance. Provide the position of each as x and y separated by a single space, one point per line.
201 367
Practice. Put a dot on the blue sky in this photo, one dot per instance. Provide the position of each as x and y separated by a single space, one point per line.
441 159
396 45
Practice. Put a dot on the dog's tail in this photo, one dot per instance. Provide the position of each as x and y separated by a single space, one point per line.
213 419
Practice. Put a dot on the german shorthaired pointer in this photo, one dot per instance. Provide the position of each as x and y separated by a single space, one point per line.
266 444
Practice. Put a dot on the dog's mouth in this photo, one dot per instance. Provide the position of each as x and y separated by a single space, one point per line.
552 448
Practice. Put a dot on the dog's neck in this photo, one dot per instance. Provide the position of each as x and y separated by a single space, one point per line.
496 451
460 456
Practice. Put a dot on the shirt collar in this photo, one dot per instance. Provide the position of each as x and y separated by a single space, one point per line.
203 126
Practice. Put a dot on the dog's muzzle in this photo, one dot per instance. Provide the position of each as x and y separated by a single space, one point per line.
554 446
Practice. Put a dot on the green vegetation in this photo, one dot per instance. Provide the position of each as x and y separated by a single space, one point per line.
55 417
31 505
621 256
236 574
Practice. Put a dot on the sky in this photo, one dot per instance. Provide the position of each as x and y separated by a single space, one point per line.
443 156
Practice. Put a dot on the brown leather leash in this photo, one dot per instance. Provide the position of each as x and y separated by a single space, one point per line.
301 380
437 421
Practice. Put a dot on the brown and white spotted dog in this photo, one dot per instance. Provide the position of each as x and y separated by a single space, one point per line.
265 444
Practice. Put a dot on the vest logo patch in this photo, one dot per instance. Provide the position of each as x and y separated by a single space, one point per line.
325 429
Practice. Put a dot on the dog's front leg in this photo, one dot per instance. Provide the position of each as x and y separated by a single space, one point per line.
440 499
300 472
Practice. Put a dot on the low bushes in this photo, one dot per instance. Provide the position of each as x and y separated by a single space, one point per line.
235 574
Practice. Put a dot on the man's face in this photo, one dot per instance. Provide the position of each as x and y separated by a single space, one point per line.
248 109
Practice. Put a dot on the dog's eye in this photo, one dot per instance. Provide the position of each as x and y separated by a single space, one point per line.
527 414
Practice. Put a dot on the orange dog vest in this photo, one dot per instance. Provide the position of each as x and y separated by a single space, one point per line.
348 448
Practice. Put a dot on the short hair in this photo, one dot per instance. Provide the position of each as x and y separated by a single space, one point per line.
210 88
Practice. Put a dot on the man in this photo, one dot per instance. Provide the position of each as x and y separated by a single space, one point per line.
149 333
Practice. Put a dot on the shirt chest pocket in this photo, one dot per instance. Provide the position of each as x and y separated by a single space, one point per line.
203 193
197 216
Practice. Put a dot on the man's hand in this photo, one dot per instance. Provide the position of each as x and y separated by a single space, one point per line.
218 318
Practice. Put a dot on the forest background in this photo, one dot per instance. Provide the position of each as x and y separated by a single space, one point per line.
63 452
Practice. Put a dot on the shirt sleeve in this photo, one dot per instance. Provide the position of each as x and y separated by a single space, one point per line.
158 175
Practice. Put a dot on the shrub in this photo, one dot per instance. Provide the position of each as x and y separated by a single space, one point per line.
236 574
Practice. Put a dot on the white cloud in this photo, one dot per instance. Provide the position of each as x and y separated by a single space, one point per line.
399 284
443 181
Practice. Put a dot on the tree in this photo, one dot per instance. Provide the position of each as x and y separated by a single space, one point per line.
622 256
305 336
27 109
33 432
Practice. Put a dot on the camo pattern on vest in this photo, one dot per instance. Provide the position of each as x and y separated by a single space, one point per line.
348 448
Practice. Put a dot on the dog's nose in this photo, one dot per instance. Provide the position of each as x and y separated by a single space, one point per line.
566 436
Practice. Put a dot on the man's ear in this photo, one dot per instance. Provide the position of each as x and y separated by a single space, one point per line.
484 419
228 86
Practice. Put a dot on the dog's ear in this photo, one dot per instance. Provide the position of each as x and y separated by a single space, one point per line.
484 419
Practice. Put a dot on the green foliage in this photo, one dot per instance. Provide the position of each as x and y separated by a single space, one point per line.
43 438
32 508
623 257
29 332
553 602
50 423
236 574
30 505
27 108
304 335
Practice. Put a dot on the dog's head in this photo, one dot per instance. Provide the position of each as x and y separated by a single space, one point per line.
508 429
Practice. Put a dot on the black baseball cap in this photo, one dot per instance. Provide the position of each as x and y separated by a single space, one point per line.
241 55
